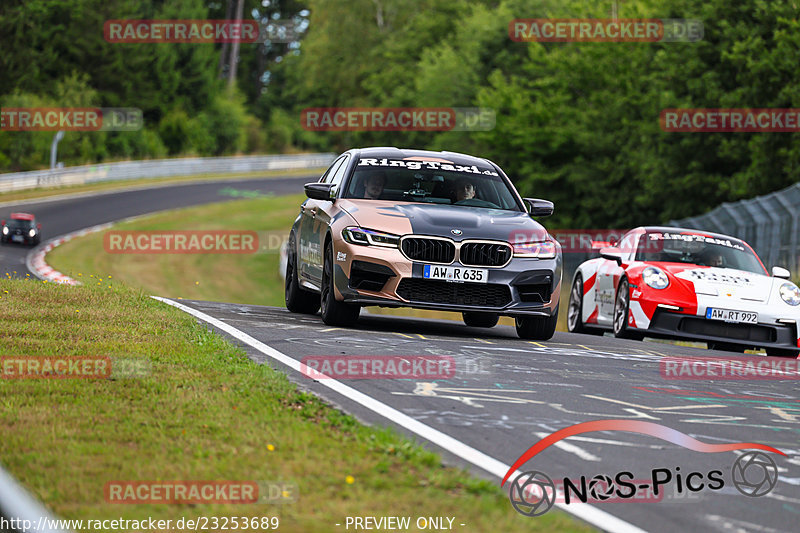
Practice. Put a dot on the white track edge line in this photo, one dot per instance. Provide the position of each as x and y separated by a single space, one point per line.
585 512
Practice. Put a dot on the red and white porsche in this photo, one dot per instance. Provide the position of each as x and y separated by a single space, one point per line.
687 284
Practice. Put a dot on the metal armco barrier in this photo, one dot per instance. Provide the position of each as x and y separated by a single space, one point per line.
159 169
770 224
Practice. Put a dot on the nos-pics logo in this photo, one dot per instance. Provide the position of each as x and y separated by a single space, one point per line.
533 493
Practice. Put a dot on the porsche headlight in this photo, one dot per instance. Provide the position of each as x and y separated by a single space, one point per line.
539 250
790 293
32 233
368 237
5 230
655 278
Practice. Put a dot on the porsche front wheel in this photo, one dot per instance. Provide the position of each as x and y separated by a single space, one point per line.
621 312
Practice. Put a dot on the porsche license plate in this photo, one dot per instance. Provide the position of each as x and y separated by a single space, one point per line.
449 273
730 315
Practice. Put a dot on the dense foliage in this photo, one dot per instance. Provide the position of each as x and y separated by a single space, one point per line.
576 122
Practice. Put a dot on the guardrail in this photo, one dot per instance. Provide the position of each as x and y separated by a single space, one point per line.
770 224
159 168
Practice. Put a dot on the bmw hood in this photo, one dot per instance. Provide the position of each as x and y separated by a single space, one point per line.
455 222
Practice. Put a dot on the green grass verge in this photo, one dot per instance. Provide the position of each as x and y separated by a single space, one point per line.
204 412
243 278
44 192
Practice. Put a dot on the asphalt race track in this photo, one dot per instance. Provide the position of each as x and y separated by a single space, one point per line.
508 393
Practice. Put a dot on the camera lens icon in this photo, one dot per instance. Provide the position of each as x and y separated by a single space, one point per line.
601 488
532 493
754 474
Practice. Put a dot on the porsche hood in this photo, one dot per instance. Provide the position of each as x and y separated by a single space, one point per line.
728 282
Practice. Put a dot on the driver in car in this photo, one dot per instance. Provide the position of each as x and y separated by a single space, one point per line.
465 190
713 259
373 185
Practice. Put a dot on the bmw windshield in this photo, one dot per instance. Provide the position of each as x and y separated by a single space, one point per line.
430 182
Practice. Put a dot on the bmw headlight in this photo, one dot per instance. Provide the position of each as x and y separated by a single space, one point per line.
655 278
32 233
539 250
368 237
5 230
790 293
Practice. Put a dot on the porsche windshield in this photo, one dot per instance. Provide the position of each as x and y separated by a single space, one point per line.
698 250
478 188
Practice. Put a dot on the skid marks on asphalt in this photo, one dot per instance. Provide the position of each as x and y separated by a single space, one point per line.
671 412
723 523
748 400
471 396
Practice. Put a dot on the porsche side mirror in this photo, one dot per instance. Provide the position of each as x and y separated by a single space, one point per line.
612 253
780 272
539 208
320 191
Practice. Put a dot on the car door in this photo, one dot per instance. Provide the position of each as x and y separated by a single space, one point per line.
608 276
325 211
604 286
309 253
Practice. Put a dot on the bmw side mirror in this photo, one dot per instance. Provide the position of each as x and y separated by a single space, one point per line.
539 208
320 191
612 253
780 272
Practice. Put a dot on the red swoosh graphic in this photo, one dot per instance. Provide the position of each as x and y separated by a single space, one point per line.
634 426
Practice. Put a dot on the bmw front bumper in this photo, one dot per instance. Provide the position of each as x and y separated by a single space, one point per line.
385 277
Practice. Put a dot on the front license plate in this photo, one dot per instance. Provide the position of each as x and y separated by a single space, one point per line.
17 238
449 273
729 315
